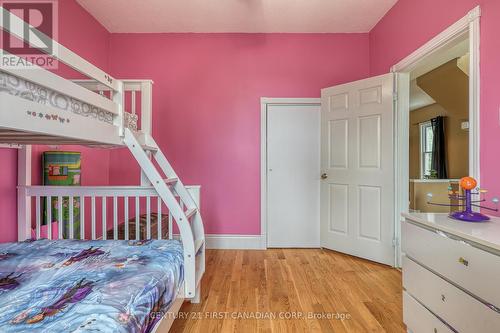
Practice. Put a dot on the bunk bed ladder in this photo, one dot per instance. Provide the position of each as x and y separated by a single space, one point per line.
185 210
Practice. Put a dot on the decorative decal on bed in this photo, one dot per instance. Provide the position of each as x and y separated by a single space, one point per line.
131 121
47 116
108 78
33 92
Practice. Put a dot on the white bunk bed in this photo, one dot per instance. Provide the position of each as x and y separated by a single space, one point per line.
40 107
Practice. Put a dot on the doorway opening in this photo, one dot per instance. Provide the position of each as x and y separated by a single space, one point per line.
437 119
439 128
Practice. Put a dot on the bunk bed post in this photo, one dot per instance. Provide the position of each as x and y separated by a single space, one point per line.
23 201
146 107
146 119
119 98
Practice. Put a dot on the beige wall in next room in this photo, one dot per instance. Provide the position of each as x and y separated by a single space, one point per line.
448 86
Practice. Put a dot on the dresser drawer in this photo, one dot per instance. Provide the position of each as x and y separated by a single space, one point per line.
473 269
419 320
460 310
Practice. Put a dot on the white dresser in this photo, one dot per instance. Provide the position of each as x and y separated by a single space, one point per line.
451 274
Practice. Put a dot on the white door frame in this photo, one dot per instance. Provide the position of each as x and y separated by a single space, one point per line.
469 24
264 103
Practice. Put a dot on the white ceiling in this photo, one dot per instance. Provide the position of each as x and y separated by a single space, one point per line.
238 15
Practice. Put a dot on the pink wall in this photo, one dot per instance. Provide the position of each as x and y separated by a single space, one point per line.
80 32
409 24
8 197
207 105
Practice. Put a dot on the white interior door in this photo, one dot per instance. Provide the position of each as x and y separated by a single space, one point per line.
357 187
293 162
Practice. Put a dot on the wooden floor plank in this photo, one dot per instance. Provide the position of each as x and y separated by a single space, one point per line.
294 290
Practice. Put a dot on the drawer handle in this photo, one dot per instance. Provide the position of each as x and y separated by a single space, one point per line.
443 298
435 330
463 261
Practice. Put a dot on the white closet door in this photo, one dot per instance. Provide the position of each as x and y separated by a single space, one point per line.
293 161
357 189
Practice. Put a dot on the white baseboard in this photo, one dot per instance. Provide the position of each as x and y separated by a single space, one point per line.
235 242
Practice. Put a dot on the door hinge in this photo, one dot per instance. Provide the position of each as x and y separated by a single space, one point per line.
394 96
395 242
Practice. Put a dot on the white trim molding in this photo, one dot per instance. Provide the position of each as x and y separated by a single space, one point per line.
467 27
475 96
235 242
264 102
290 101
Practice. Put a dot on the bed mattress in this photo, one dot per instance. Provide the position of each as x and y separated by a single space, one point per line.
84 286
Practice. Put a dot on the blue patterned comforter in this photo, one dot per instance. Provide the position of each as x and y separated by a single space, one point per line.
87 286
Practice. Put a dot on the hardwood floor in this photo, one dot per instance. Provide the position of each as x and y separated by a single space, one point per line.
262 291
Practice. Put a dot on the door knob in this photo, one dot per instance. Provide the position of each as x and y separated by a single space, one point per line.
324 176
